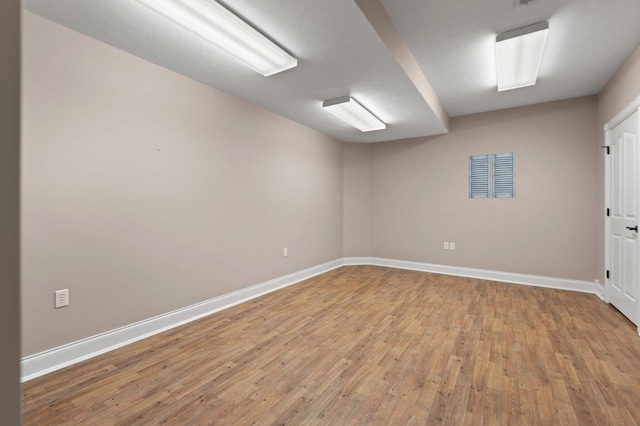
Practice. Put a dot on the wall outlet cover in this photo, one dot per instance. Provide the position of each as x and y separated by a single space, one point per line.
61 298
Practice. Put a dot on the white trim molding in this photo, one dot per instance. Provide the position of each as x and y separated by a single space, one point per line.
63 356
627 112
483 274
600 291
349 261
623 115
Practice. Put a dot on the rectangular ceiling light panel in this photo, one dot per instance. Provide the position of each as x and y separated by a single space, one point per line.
215 24
354 114
519 54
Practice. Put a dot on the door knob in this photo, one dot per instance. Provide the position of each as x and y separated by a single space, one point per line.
633 228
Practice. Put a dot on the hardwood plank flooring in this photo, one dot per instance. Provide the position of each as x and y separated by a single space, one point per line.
366 345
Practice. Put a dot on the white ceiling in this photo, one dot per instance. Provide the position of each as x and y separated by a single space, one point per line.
339 53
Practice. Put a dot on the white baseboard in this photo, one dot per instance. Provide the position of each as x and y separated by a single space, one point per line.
357 261
483 274
599 290
63 356
54 359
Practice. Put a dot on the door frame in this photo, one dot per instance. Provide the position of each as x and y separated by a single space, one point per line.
632 108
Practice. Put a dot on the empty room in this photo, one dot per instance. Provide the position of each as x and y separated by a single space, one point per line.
321 212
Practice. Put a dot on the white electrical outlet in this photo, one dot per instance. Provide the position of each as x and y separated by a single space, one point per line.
285 253
452 246
62 298
446 246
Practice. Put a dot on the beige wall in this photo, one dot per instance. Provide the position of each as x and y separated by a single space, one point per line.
619 92
10 213
145 191
419 193
357 200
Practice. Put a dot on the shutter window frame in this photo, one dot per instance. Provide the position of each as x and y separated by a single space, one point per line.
492 175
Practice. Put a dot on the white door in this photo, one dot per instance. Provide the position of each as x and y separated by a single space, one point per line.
624 288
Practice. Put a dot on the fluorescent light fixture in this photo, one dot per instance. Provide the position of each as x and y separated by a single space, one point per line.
215 24
351 112
518 55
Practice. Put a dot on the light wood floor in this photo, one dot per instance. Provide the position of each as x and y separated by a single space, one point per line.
367 345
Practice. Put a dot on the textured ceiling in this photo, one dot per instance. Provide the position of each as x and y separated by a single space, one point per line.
339 53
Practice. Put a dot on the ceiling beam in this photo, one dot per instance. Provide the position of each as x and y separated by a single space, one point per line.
381 22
